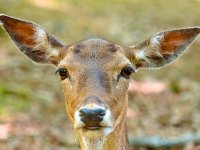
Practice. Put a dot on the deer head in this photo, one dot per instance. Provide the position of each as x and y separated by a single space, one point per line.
95 73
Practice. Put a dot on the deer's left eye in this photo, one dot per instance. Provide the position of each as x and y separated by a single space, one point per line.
63 73
126 72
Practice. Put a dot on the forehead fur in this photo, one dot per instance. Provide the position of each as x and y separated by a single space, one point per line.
95 45
93 52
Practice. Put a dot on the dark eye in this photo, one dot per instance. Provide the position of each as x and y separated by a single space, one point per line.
63 73
126 72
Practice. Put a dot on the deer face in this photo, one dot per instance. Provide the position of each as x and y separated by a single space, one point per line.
95 73
95 85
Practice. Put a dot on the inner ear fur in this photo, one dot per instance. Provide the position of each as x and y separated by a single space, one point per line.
32 39
162 48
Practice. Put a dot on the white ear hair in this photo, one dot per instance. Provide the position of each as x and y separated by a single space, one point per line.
140 55
162 48
32 39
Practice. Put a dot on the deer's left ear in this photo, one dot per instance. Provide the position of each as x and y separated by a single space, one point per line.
162 48
32 40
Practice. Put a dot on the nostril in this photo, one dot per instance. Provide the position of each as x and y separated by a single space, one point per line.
100 112
83 112
92 112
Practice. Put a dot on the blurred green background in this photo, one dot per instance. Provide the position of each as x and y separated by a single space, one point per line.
32 109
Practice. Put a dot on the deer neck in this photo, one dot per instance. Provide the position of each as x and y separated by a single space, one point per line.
117 140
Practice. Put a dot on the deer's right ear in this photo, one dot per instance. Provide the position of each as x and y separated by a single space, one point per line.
32 40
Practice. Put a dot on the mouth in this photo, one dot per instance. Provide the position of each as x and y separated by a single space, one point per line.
93 132
93 127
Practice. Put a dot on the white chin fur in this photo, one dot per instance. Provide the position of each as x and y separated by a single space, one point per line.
94 134
94 144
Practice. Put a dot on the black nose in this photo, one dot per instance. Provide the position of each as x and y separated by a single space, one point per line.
92 117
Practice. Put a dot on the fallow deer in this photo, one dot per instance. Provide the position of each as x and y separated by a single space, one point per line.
95 75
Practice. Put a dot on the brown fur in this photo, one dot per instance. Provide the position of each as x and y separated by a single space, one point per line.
90 70
173 40
24 30
171 45
94 67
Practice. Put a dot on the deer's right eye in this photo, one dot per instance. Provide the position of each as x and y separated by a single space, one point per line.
63 73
